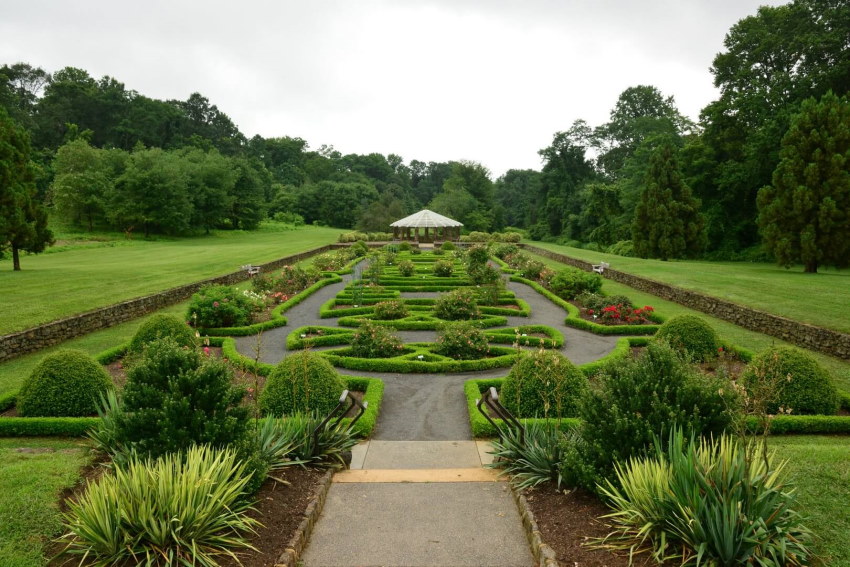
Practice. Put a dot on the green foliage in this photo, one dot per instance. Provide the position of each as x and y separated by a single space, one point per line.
179 509
536 457
404 246
360 249
175 397
221 306
796 382
159 326
635 399
543 383
706 502
802 216
301 382
406 268
375 341
443 268
448 246
477 256
458 304
66 383
290 281
392 309
622 248
329 448
490 294
461 340
569 282
595 301
667 222
690 334
503 250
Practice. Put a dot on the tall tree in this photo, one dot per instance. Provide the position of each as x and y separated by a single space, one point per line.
82 184
667 222
23 220
805 215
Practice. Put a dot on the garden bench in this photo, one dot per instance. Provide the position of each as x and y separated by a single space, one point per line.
252 270
600 267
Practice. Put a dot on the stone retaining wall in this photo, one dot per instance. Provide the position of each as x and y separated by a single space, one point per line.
55 332
833 343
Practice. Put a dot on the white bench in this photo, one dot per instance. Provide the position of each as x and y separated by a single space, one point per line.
252 270
600 267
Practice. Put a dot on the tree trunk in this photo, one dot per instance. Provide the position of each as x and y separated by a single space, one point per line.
16 259
811 267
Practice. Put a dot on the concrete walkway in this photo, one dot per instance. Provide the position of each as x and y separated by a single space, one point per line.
416 494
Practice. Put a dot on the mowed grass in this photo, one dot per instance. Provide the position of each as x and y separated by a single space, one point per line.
819 467
840 369
821 299
81 278
33 473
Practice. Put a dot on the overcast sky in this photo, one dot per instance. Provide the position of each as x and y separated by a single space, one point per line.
483 80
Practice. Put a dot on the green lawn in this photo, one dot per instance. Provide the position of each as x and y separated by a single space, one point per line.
86 276
820 469
729 332
30 483
820 299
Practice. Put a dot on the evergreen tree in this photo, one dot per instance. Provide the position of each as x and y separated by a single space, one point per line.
668 223
23 220
804 216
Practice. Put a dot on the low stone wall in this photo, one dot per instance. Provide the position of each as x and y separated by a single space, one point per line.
827 341
55 332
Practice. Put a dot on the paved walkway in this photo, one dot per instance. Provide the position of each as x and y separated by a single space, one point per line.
416 494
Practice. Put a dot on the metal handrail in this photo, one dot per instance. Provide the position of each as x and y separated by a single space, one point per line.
490 398
346 396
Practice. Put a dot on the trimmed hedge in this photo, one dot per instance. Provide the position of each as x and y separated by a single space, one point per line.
331 336
431 324
65 383
691 334
509 336
410 363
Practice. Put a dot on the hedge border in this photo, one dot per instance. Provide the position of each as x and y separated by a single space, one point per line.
433 325
406 365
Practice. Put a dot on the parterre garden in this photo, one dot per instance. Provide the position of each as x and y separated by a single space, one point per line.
668 430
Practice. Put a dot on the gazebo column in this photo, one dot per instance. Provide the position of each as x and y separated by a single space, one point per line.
417 234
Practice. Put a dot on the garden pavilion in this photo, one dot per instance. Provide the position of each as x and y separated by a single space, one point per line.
436 227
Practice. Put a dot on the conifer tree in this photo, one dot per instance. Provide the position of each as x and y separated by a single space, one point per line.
23 220
668 223
804 216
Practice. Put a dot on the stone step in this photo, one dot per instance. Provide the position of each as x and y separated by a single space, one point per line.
377 454
418 475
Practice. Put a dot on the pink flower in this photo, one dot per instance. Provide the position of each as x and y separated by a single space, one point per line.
215 304
207 350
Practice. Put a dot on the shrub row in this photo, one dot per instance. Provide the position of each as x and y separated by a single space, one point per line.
419 325
504 358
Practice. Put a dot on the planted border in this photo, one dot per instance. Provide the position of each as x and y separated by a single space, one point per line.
432 324
409 362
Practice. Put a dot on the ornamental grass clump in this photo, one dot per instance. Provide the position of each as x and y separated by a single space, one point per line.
543 383
536 456
461 341
389 310
459 304
796 383
375 341
160 326
301 382
705 502
67 383
181 509
692 335
221 306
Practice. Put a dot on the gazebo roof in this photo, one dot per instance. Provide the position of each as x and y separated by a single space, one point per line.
425 218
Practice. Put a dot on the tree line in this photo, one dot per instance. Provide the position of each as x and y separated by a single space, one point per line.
762 173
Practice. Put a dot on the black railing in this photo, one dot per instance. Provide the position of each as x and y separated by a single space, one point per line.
490 398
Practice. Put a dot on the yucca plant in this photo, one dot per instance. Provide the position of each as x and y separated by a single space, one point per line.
276 443
705 502
327 448
535 457
181 509
105 434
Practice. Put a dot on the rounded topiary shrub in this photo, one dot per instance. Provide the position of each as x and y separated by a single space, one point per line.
457 305
391 309
67 383
301 382
792 380
448 246
159 326
543 383
690 334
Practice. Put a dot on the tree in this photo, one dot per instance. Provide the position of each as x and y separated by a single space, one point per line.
805 215
667 222
82 185
23 220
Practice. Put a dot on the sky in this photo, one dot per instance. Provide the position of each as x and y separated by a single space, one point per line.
489 81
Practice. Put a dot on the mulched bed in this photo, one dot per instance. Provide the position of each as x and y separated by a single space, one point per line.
568 521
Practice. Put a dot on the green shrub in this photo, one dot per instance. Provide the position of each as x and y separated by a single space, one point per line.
438 252
182 509
333 261
404 246
461 341
543 383
504 250
359 249
477 256
159 326
483 274
329 448
527 267
406 268
570 282
67 383
597 302
706 502
622 248
536 457
289 281
375 341
690 334
448 246
221 306
301 382
457 305
175 397
636 399
443 268
490 294
392 309
793 381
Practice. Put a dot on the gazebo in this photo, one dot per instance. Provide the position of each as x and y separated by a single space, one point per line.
437 227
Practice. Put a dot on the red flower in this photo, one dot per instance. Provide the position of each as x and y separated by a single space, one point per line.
590 311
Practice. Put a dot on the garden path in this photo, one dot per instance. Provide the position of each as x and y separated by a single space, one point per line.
416 493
